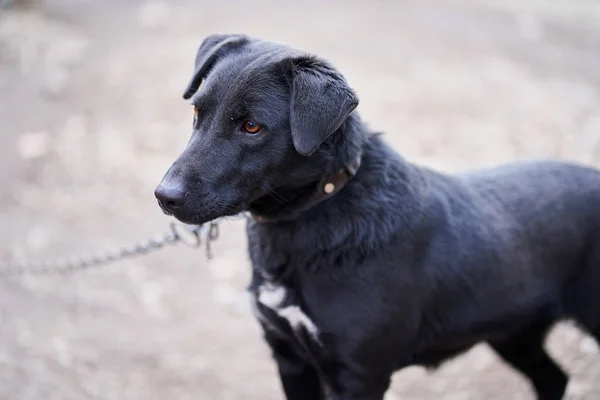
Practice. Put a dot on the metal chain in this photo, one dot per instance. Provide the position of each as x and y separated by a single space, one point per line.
189 235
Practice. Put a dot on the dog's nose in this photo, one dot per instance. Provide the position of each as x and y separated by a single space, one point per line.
170 198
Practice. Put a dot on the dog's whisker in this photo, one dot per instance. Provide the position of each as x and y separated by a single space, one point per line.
232 208
282 200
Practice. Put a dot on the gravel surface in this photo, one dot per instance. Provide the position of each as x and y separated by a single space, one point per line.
91 116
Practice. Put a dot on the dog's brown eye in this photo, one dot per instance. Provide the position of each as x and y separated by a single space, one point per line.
196 111
251 127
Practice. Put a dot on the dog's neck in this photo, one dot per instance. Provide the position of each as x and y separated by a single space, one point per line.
278 207
357 217
289 202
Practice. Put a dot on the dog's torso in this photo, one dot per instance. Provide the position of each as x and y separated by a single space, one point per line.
417 266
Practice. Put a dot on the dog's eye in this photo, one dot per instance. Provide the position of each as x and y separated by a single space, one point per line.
195 111
251 127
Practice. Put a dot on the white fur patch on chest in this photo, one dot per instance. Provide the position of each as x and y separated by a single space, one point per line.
273 297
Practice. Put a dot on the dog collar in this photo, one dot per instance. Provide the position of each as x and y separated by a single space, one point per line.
328 186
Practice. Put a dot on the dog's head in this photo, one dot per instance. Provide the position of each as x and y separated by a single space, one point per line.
263 113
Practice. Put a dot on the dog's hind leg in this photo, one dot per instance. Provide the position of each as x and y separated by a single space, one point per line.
525 352
581 296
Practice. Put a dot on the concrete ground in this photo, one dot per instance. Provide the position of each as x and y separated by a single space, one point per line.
91 116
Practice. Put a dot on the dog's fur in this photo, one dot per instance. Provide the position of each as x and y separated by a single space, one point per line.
404 265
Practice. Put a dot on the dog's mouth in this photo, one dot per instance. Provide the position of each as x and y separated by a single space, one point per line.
204 212
275 202
195 218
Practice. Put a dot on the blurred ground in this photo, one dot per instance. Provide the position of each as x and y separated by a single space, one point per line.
91 116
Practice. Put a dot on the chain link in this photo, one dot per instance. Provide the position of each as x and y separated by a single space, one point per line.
190 235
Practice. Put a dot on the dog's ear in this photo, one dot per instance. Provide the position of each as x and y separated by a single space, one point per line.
321 100
213 47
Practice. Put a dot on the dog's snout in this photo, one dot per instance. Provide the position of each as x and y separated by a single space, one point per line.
170 198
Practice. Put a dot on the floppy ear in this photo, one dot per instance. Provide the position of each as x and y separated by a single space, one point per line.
210 50
321 101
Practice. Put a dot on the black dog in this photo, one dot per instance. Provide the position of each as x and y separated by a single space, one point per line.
363 262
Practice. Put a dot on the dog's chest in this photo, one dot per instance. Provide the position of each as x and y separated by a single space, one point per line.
282 304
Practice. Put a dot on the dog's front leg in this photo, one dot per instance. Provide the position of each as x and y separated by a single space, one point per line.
299 379
348 385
